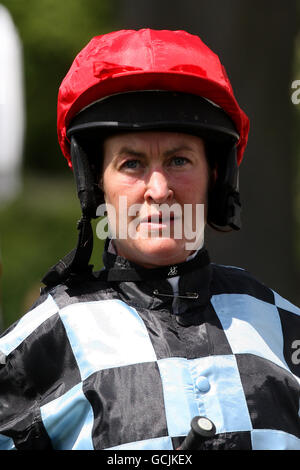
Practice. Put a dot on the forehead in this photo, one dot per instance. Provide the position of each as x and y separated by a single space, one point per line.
146 139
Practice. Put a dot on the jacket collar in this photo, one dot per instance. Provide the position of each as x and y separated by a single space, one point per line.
149 288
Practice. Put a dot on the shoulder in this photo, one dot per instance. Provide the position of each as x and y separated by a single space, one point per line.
44 318
238 281
257 319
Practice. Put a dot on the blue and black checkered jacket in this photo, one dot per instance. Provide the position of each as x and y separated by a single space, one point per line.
117 360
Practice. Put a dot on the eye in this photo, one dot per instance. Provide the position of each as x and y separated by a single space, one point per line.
131 164
179 161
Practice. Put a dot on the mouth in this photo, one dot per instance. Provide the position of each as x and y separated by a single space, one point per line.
158 219
159 225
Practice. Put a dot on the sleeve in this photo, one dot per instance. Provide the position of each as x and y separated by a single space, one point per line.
21 426
289 315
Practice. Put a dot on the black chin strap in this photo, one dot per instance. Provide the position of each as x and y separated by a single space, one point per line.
77 261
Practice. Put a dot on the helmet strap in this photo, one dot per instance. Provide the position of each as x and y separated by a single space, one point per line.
77 261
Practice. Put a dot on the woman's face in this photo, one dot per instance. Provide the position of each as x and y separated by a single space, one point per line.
155 186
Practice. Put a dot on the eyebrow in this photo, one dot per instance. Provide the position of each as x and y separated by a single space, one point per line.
135 153
131 151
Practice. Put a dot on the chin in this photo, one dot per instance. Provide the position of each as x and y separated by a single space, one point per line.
156 252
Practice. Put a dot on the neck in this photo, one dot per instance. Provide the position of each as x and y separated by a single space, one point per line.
112 248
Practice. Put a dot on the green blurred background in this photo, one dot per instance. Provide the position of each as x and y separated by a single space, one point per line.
38 226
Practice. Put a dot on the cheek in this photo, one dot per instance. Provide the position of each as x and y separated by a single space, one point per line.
193 188
115 187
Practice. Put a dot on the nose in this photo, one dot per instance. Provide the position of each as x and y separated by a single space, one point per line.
158 188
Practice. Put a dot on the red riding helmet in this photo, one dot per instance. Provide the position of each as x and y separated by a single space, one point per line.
130 60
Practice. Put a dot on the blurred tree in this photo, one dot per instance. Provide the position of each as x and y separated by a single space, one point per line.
256 45
52 33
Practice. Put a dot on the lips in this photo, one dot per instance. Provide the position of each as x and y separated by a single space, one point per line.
157 218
